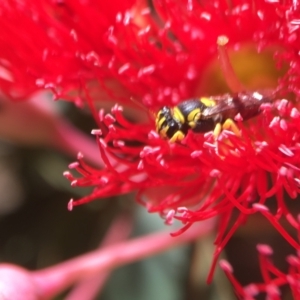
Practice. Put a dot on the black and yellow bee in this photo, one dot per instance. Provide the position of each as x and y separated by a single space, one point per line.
208 114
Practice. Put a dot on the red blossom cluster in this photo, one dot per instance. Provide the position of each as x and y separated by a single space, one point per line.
203 178
158 56
273 279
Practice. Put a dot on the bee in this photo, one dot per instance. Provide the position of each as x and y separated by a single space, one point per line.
212 113
215 113
208 114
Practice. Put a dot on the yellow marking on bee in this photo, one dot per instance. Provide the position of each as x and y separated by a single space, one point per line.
207 101
193 117
160 122
177 137
158 116
177 114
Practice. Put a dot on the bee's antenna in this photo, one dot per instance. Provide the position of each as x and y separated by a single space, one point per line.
231 79
138 103
152 113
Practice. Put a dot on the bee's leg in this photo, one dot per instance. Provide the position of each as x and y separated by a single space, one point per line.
217 130
230 124
177 137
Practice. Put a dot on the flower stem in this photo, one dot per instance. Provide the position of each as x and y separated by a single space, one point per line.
55 279
89 287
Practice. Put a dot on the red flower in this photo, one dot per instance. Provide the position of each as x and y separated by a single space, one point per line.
61 45
201 178
273 279
159 56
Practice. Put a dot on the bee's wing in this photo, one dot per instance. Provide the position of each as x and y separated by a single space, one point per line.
224 105
247 104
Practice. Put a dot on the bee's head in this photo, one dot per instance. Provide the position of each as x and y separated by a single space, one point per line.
168 126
